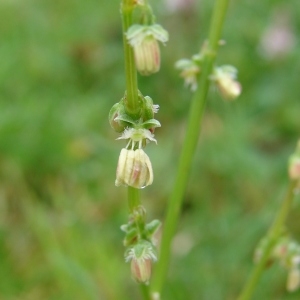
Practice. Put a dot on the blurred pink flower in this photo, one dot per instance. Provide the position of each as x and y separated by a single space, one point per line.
176 5
278 38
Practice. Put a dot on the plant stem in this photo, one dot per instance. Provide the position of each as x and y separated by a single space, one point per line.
190 143
133 198
131 102
145 291
272 237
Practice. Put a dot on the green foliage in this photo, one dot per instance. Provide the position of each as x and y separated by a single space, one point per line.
61 70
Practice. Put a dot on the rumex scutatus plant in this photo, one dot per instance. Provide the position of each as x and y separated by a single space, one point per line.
277 245
133 117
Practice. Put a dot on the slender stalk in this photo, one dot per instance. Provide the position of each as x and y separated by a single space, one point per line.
193 130
133 198
131 103
272 237
145 291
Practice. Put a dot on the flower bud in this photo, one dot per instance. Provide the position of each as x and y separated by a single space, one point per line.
293 281
294 167
190 70
229 88
225 79
144 40
141 256
141 269
294 164
134 169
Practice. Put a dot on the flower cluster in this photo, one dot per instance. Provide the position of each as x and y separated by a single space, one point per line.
287 253
224 77
137 127
140 240
134 166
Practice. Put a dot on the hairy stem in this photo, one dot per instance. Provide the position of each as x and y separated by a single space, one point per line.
272 237
190 142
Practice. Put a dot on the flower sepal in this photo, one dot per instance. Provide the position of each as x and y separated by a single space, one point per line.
125 118
131 237
149 124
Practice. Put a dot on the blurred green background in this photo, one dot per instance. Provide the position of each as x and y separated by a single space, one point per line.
61 69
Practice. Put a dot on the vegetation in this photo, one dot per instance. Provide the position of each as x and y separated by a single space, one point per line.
61 71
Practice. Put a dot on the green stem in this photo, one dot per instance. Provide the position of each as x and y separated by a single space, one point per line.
190 143
145 291
131 103
133 198
272 237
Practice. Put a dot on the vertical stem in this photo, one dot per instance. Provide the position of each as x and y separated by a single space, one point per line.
193 130
133 198
272 237
131 103
145 291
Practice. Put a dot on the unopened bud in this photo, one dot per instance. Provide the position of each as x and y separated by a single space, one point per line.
141 257
141 269
294 167
293 281
229 88
134 169
225 79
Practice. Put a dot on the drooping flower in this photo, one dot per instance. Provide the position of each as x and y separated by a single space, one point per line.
144 41
141 256
225 79
134 169
293 280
